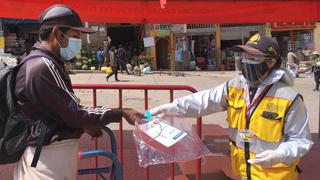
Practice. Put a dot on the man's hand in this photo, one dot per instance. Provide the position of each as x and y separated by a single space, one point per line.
268 158
94 133
131 115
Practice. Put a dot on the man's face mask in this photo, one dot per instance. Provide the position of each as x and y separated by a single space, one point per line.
73 48
253 70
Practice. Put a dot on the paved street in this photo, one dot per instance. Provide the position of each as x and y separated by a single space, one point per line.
200 81
134 99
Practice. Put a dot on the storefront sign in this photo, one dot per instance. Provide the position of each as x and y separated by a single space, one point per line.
148 41
179 28
293 26
162 30
1 42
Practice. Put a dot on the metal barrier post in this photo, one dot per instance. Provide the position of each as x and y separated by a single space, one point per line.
146 107
121 132
198 172
172 164
120 87
95 145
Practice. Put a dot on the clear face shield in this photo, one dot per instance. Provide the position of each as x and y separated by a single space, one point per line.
253 68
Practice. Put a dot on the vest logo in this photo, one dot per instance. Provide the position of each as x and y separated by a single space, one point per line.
233 96
272 107
254 39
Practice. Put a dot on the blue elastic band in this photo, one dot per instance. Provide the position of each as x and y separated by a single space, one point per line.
148 116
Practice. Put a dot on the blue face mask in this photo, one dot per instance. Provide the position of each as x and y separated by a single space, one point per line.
73 48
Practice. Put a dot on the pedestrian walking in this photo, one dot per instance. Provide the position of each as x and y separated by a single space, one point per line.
105 44
267 118
44 94
122 60
113 64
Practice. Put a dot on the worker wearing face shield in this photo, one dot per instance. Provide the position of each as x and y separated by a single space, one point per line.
267 118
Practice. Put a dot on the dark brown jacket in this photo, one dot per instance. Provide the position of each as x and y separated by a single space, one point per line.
43 91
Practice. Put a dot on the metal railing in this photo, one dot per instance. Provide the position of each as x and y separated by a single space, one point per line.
145 88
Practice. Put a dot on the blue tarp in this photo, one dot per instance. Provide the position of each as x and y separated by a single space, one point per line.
18 21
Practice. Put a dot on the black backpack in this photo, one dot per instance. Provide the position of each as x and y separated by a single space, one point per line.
14 126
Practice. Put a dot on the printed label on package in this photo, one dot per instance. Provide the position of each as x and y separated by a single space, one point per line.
162 132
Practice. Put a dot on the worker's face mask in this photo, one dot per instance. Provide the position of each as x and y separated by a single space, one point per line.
253 68
73 48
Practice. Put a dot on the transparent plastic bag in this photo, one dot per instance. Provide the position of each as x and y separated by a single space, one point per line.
161 141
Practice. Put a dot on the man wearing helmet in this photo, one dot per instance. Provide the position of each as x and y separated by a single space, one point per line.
44 93
268 121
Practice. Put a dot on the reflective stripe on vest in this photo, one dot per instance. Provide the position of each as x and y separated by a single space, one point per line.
267 123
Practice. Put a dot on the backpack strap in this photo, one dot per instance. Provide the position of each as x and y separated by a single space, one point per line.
40 142
43 128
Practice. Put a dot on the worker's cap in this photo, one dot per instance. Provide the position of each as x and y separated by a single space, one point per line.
260 45
62 16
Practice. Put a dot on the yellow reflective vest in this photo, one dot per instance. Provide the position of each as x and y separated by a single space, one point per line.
266 121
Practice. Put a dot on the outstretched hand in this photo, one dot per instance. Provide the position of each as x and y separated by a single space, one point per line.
131 115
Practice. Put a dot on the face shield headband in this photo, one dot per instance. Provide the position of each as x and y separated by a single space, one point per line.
253 69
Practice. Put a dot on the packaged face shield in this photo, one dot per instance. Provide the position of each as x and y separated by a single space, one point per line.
252 68
161 141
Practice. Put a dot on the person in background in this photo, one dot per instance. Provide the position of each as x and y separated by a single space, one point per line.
113 64
316 69
122 59
291 62
268 120
100 57
106 44
43 91
306 52
211 57
301 57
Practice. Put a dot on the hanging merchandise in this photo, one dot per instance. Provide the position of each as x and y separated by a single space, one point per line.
8 59
161 141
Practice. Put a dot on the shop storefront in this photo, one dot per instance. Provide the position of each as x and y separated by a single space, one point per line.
234 34
126 35
294 36
17 37
203 45
195 45
163 44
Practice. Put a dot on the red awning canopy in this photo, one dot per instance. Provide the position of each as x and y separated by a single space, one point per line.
175 11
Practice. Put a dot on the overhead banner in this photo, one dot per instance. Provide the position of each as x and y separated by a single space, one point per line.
174 11
285 26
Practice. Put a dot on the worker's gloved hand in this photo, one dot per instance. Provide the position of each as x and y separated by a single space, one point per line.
131 115
94 133
268 158
163 110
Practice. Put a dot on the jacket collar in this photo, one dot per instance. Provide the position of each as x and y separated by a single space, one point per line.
38 47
